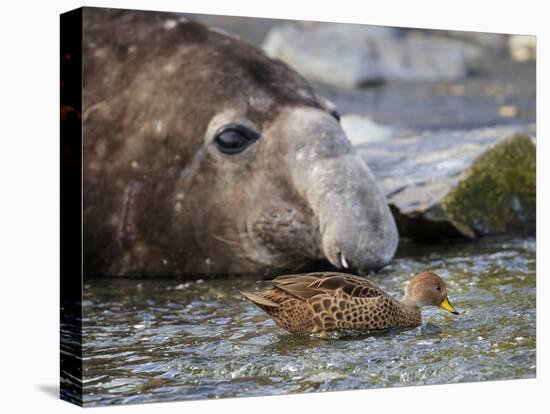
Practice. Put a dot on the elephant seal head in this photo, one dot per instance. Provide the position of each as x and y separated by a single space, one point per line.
204 155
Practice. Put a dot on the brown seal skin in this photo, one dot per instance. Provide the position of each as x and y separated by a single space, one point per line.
169 191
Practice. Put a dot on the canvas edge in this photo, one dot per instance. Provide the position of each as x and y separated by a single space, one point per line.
71 207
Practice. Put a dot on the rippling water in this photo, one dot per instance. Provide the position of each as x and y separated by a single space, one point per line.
159 340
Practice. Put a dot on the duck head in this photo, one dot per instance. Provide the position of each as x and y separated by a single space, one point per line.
428 289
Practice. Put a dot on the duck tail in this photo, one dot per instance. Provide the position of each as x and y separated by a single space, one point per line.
259 300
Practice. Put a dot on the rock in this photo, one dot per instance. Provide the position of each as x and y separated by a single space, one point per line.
361 130
492 42
522 48
351 56
447 184
338 54
427 57
471 103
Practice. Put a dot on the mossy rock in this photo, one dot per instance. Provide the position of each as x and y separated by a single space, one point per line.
498 193
458 183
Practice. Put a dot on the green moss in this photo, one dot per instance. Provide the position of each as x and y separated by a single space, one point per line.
498 193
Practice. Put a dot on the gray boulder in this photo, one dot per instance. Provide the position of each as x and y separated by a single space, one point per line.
465 183
351 56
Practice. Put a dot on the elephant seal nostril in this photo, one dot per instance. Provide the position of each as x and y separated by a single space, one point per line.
342 260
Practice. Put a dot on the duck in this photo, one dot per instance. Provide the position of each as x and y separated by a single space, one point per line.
322 302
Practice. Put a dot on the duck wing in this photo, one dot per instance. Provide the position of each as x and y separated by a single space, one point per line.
307 285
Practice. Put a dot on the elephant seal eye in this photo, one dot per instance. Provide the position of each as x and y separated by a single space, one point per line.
334 113
234 138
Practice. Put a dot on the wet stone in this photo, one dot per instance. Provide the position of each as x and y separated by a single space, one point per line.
458 183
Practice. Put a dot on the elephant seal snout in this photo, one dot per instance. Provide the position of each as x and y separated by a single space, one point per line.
204 156
356 226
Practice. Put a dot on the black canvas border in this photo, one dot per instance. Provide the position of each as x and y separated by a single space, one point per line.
71 206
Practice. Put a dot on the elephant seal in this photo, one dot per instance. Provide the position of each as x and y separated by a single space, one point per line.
202 155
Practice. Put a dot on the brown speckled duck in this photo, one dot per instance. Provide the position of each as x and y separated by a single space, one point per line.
328 301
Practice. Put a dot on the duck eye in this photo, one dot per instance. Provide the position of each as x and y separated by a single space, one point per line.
234 138
334 113
438 288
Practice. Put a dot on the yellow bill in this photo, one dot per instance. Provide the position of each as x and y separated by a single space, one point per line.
445 304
